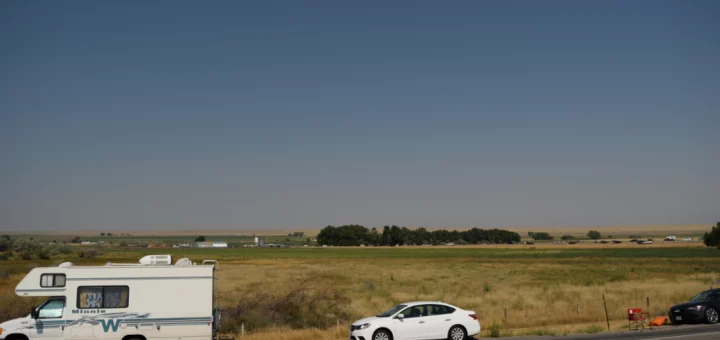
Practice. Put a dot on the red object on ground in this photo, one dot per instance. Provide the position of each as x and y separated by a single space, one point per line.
658 321
636 318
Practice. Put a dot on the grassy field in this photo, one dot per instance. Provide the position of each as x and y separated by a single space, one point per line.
547 289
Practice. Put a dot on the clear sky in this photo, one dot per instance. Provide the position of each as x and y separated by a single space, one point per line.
290 114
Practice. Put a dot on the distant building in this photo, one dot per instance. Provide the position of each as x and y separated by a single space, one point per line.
216 244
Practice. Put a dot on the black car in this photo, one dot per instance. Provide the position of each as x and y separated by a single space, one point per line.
704 307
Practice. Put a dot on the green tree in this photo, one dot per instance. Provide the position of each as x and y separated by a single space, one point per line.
200 239
712 239
594 234
6 243
541 236
76 239
102 234
567 237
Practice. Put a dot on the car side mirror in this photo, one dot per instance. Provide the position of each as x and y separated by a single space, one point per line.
34 313
400 316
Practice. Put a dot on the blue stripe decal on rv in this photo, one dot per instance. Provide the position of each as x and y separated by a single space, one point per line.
138 278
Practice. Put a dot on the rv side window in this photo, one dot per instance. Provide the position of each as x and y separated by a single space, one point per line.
103 297
52 280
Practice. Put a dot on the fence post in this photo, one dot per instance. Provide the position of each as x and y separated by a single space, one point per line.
648 304
242 330
505 313
607 318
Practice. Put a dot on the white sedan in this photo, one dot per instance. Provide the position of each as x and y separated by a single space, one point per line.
416 321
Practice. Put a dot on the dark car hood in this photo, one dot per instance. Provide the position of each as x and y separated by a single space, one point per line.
689 304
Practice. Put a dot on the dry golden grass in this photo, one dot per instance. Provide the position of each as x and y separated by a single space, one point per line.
542 296
545 290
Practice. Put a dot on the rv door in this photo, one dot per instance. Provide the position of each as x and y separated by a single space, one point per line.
49 324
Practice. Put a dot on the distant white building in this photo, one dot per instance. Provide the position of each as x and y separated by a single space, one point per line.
216 244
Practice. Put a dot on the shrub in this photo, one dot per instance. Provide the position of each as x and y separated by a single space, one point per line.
91 253
567 237
308 304
494 330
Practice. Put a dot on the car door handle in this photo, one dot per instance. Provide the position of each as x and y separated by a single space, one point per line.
448 319
421 322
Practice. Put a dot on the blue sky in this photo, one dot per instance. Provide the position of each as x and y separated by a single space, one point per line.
258 115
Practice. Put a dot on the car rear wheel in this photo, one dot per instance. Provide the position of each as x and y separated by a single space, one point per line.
457 333
382 335
711 315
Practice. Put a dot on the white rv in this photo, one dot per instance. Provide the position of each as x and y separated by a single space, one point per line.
119 302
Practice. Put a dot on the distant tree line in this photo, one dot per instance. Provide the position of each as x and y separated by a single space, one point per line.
540 236
355 235
296 234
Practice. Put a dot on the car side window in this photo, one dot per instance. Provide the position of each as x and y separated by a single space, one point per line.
413 312
52 309
440 310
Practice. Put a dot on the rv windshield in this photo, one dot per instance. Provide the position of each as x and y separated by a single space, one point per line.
390 312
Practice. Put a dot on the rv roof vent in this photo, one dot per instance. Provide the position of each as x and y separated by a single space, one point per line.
156 260
65 265
183 262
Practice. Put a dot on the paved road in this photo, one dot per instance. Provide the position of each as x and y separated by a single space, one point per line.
690 332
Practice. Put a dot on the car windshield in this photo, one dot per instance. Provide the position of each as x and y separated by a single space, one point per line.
702 296
390 312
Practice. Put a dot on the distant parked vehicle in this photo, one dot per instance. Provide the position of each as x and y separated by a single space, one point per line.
616 241
573 242
704 307
671 238
648 241
418 320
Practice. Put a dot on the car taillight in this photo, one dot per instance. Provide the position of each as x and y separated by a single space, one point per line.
473 316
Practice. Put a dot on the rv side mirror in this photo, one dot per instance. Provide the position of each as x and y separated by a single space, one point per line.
34 313
400 317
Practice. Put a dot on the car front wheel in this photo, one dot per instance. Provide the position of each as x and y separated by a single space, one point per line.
711 315
457 333
382 335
